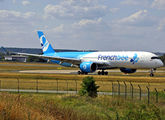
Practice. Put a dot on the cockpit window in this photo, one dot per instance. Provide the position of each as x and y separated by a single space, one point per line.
155 58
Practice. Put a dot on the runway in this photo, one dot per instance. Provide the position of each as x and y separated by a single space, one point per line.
65 92
52 71
51 91
75 71
61 71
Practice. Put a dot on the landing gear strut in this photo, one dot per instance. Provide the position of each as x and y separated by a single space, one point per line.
80 72
102 72
151 72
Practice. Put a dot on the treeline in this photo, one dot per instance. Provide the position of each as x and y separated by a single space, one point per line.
29 58
39 50
163 58
35 59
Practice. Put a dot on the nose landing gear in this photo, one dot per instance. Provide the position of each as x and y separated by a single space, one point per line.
151 75
152 71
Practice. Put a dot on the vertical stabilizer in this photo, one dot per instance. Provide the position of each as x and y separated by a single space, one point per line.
46 47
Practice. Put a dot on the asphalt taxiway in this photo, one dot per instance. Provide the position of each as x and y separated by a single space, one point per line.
75 71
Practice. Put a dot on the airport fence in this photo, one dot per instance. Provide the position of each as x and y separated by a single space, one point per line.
127 90
137 92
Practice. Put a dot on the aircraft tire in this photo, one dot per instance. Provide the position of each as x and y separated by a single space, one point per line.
106 73
151 75
102 72
78 72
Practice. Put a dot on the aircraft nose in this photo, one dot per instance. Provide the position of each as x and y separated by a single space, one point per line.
160 63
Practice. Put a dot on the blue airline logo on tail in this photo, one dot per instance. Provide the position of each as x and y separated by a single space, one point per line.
44 43
46 47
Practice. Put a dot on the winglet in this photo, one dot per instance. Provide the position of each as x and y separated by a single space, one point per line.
6 50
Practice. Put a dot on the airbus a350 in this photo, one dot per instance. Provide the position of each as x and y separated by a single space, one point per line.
88 62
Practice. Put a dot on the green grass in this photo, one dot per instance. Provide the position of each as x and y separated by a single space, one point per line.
14 66
51 84
54 106
48 106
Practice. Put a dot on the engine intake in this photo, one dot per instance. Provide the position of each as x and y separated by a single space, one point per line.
88 67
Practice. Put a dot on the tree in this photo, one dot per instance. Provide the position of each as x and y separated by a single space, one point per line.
88 87
163 58
35 59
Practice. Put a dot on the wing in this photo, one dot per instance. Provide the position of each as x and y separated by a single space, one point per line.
74 61
62 59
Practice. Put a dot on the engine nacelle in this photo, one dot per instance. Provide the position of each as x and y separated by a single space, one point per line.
127 70
88 67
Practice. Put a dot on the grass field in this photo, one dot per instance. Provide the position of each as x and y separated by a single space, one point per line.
9 75
30 106
49 81
12 66
35 106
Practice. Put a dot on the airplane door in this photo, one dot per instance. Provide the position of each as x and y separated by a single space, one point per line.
142 58
142 61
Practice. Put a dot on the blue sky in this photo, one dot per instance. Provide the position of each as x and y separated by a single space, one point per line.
84 24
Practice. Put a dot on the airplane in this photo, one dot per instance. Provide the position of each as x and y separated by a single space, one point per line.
89 62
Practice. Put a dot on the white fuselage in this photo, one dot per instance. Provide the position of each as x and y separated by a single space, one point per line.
129 59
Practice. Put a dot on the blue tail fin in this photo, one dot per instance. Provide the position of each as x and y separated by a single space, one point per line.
46 47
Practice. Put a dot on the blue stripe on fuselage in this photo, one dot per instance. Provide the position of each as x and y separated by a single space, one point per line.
77 55
62 64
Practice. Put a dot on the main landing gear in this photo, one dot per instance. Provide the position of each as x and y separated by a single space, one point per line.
152 71
99 73
102 72
80 72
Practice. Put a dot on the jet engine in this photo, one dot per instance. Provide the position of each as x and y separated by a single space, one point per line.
88 67
127 70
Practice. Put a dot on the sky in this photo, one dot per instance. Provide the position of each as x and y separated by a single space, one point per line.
104 25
